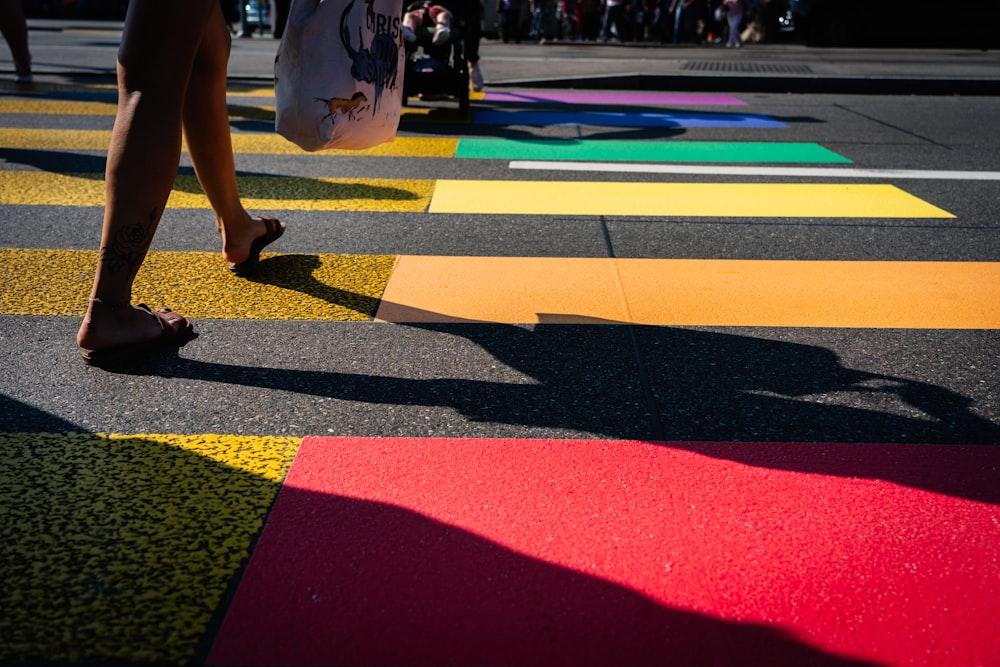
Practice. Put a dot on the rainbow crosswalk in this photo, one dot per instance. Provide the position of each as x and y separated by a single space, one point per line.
531 290
337 548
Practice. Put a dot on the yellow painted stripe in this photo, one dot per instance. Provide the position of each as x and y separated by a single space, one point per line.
775 200
120 548
241 111
112 89
98 140
259 192
943 295
198 284
444 114
250 91
55 140
53 86
400 147
108 108
51 107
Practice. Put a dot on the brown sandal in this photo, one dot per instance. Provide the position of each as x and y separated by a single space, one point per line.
174 332
273 233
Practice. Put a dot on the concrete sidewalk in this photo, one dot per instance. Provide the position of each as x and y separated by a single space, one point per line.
75 49
778 68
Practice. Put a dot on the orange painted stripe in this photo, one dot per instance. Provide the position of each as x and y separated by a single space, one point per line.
501 289
913 295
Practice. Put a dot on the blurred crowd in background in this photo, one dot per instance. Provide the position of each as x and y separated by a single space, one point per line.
877 23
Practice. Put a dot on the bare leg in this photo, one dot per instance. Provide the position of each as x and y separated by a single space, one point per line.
159 44
442 25
443 19
411 21
15 31
206 128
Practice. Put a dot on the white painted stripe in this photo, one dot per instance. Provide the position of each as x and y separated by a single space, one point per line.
714 170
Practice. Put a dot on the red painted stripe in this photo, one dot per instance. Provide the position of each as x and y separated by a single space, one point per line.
544 552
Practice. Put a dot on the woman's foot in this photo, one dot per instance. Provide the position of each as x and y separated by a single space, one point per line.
22 69
243 259
238 242
114 335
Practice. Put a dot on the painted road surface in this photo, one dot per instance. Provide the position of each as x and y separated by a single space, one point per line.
512 456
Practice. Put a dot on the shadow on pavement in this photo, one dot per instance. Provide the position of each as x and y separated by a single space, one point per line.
705 385
579 382
120 549
395 587
650 383
125 547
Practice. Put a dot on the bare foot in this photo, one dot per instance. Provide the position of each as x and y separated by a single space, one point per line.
236 240
110 326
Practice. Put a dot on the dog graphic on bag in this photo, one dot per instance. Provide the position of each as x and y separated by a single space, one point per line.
378 62
343 106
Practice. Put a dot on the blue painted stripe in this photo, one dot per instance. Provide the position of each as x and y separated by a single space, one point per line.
608 119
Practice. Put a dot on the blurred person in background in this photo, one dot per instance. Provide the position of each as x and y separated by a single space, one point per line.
735 11
509 12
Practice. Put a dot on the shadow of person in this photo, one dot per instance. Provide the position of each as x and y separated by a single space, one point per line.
567 393
635 382
80 165
16 416
780 390
355 581
256 185
295 272
119 548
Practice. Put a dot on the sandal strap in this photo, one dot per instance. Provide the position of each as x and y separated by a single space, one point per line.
149 310
109 304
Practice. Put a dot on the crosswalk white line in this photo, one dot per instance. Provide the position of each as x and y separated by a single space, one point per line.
715 170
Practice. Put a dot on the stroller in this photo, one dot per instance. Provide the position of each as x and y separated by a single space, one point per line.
438 70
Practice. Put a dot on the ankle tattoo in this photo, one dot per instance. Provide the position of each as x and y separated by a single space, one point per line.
128 248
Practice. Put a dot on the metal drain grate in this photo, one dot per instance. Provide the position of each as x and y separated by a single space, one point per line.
727 66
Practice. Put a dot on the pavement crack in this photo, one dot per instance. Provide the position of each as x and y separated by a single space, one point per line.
897 128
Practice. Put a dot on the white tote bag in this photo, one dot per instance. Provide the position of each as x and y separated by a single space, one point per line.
338 74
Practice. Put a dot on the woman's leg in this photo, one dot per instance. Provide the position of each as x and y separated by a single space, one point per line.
15 31
206 128
411 23
159 43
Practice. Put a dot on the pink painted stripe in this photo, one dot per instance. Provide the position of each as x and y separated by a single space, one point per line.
412 551
619 99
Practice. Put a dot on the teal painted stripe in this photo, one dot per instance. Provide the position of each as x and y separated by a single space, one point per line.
646 151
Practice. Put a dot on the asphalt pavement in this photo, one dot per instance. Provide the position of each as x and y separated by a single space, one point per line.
86 49
666 355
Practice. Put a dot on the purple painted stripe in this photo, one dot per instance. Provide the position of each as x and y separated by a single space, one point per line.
546 117
618 99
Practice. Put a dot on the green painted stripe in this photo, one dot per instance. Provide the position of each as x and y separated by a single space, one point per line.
646 151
